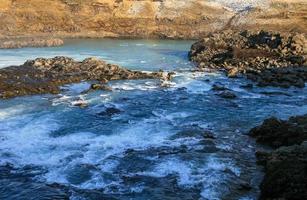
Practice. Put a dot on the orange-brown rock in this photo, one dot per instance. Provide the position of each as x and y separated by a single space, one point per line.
147 18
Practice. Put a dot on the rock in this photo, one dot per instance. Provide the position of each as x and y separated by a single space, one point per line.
233 73
100 87
193 132
285 167
110 111
285 174
218 87
268 58
277 133
42 75
227 95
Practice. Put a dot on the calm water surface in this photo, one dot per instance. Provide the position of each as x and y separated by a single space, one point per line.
152 147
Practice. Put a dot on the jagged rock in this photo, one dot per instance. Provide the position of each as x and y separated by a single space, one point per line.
277 133
43 75
286 166
285 174
269 58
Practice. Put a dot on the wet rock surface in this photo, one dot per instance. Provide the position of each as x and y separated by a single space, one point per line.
286 174
268 58
286 167
43 75
277 133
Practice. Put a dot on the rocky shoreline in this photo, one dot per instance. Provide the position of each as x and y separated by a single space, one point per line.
286 165
268 58
30 42
42 75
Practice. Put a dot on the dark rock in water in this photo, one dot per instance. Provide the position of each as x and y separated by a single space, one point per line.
110 111
227 95
97 86
42 75
286 167
268 58
193 132
218 87
286 174
276 133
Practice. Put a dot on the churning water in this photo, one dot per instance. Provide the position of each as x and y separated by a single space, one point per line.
139 141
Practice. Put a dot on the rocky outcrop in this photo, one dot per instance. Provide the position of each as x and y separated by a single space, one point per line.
285 174
268 58
286 167
42 75
33 42
147 18
277 133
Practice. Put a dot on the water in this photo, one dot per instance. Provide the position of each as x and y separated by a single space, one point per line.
152 147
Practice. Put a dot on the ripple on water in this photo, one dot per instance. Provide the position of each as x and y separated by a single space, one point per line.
139 152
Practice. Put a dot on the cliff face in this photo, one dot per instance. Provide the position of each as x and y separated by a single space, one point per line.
145 18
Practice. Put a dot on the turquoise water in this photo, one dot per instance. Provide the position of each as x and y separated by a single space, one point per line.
152 147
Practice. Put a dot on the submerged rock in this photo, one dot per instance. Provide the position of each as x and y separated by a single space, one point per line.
219 87
195 133
268 58
110 111
44 75
227 95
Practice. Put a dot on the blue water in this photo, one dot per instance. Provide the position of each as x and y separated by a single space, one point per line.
152 147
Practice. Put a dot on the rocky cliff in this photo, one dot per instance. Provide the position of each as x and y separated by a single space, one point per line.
146 18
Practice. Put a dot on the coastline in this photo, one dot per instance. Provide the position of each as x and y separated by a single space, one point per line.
242 44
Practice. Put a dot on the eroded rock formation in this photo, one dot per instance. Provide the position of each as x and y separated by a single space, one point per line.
42 75
147 18
286 167
269 58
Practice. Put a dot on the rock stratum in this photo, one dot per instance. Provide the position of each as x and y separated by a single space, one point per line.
266 57
286 166
41 76
147 18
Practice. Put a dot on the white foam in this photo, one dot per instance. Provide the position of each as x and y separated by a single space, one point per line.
215 177
11 111
131 85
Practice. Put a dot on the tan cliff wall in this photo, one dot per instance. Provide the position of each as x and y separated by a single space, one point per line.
146 18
